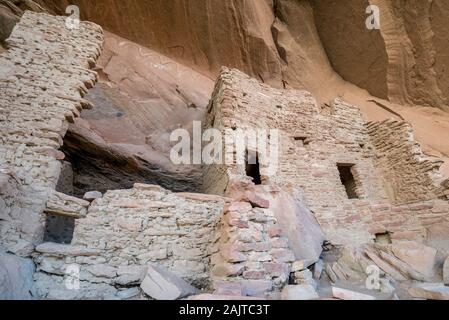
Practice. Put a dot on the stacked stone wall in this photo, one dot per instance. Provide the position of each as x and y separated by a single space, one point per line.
43 77
127 230
252 256
315 141
410 175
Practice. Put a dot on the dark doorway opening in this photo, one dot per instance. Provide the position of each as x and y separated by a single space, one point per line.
347 179
253 167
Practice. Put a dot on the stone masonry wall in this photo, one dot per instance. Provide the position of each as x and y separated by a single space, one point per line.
313 142
43 77
252 257
411 176
127 230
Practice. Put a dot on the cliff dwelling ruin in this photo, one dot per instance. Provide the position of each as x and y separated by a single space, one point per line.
87 189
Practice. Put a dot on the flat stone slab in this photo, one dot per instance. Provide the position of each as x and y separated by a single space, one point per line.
430 291
299 292
346 291
92 195
160 284
56 249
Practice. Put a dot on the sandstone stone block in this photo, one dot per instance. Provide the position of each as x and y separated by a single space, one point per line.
304 277
228 288
276 269
418 256
301 265
299 292
254 274
240 207
102 270
92 195
282 255
257 246
280 243
55 249
163 285
128 293
430 291
67 206
257 201
348 291
16 278
234 256
256 288
274 231
227 270
299 225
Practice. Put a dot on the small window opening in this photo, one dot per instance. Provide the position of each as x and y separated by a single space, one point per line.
347 179
59 229
253 167
302 139
383 238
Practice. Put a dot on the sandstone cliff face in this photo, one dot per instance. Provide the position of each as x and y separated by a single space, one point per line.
403 61
206 34
280 42
142 96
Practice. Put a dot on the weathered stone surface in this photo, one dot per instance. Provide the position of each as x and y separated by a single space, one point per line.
16 278
418 256
350 294
348 291
224 288
61 204
102 270
299 292
446 271
430 291
385 266
55 249
437 236
318 269
257 201
301 265
304 277
163 285
130 275
334 176
299 226
128 293
92 195
256 288
149 224
239 207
